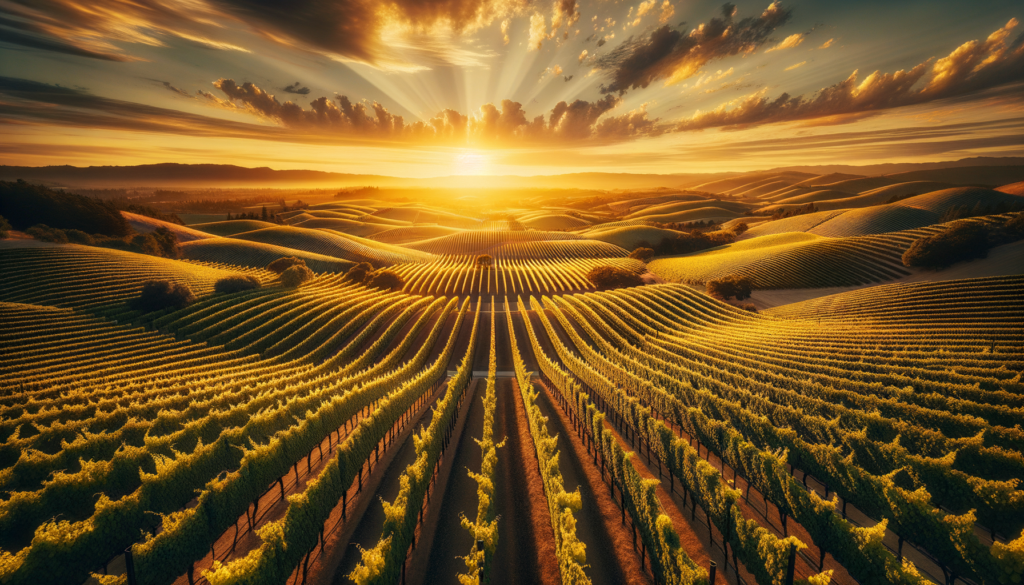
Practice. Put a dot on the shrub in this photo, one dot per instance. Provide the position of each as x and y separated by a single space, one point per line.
613 277
693 241
731 286
282 264
484 261
167 241
233 284
358 272
80 237
26 205
163 294
5 228
1014 225
385 279
296 275
740 228
962 242
45 233
642 254
748 307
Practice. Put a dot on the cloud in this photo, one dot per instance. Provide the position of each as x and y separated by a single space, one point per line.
297 88
669 54
326 121
788 43
972 69
564 13
583 55
667 12
568 78
360 30
506 125
181 92
827 44
794 66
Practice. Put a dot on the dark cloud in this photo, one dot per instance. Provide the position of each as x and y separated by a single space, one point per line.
179 91
46 44
669 54
974 68
297 88
568 78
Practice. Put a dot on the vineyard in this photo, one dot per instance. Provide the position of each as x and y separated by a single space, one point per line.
499 415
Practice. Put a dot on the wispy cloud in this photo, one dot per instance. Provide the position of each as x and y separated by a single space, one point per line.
795 65
788 43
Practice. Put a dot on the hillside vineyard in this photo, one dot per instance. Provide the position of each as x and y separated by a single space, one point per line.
477 404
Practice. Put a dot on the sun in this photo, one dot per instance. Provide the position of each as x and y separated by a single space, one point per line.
471 163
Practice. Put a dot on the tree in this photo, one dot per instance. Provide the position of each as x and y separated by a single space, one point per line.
5 228
731 286
264 214
167 242
642 254
740 228
79 237
281 264
238 283
358 272
296 275
26 205
613 277
45 233
385 279
484 261
157 295
960 242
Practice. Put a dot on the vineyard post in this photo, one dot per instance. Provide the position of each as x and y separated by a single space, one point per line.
711 572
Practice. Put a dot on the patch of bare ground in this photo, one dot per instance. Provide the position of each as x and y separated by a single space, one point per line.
524 479
599 524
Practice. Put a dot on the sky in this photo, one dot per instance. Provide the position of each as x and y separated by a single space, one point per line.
422 88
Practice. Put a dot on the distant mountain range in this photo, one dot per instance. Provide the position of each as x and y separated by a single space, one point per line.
173 175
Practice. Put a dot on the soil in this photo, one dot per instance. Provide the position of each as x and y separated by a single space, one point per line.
599 525
526 542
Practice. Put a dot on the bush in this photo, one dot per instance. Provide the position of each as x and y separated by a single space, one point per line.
358 272
693 241
296 275
79 237
163 294
613 277
740 228
167 241
642 254
731 286
233 284
5 228
962 242
484 261
45 233
385 279
748 307
282 264
26 205
1014 225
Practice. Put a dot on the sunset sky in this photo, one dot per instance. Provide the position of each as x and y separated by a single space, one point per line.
423 88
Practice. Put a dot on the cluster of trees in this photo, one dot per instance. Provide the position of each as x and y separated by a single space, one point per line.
731 286
700 225
605 277
809 208
293 271
5 228
239 283
26 205
157 295
270 216
962 242
384 279
162 242
642 254
693 241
